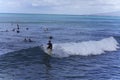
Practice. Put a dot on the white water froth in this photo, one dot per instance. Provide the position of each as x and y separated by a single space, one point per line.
85 48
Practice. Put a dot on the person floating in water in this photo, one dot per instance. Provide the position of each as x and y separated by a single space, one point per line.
27 40
49 45
18 27
13 29
27 28
18 31
30 40
6 31
45 29
50 37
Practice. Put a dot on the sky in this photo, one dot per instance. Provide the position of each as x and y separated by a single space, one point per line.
79 7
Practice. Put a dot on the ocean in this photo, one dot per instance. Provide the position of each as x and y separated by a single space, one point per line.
85 47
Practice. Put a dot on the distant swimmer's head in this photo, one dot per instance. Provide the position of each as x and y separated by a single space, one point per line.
6 30
29 40
18 31
50 37
25 40
27 28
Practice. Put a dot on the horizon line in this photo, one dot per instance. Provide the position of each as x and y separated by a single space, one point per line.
64 14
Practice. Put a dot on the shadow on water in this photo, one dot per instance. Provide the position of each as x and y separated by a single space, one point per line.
27 61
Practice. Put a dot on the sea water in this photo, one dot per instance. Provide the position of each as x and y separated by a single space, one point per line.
84 47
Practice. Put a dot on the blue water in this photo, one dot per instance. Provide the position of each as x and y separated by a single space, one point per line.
21 60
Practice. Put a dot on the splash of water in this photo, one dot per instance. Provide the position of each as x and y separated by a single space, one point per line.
85 48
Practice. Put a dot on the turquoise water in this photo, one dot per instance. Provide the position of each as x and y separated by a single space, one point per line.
37 18
84 47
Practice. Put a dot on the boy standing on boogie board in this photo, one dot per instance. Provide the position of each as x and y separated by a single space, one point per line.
49 47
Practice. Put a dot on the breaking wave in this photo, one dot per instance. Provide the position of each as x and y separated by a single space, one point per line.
85 48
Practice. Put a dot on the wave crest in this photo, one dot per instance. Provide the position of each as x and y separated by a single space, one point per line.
85 48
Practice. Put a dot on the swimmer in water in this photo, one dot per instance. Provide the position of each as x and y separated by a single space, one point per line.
18 27
50 37
25 40
27 28
18 31
13 29
30 40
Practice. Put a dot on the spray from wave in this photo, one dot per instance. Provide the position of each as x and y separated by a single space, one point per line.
85 48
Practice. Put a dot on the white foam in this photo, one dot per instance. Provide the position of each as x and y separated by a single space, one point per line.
85 48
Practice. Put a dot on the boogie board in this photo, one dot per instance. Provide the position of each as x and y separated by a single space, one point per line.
47 51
